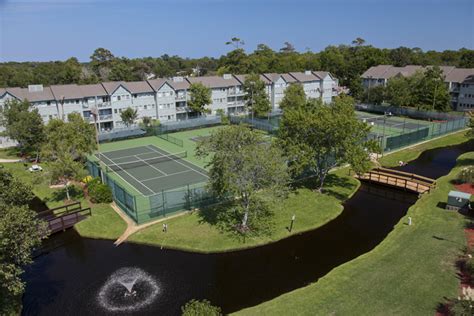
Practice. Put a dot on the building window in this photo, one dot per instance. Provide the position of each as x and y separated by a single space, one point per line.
135 96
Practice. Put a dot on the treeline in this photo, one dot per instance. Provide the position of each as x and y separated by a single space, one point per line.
424 90
346 62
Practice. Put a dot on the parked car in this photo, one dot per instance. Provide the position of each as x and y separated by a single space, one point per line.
35 168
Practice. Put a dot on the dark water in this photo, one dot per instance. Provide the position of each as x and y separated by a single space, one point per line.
66 281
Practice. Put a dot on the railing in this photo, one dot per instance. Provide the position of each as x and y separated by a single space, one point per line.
234 92
106 104
242 103
400 179
63 217
180 97
181 109
105 117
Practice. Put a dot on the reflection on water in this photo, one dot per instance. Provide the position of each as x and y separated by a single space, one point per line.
67 280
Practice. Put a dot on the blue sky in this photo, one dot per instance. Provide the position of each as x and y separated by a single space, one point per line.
55 30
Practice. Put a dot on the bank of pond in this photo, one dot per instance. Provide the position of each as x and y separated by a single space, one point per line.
71 278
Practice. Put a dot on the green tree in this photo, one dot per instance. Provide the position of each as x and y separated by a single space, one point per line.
256 95
129 116
200 97
20 232
317 138
431 93
294 97
399 91
101 58
200 308
244 167
121 71
67 144
24 125
375 95
236 42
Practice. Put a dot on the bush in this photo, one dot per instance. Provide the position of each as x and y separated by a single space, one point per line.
200 308
470 266
466 175
464 305
99 192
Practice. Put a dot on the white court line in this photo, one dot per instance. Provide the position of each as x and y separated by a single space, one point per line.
148 152
111 151
132 177
184 164
168 175
152 165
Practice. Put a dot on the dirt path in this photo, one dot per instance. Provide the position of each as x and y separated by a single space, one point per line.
9 160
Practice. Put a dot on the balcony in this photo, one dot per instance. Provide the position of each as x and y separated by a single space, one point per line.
236 103
232 92
180 97
104 104
105 117
181 109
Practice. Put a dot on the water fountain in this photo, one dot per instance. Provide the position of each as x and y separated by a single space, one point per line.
128 289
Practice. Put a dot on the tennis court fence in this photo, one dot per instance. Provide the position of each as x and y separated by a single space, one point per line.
433 124
143 209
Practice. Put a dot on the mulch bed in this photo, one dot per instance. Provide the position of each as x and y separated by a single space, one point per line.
465 187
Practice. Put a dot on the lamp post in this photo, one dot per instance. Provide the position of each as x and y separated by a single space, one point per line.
292 221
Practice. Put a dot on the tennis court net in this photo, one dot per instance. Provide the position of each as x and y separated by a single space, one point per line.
141 162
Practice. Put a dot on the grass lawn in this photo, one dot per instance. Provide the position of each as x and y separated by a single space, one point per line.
104 223
9 153
312 210
411 153
409 273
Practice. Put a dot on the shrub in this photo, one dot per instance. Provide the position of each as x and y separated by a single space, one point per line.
470 266
464 305
200 308
99 192
466 175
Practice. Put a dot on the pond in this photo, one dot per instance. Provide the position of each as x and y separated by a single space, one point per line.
91 277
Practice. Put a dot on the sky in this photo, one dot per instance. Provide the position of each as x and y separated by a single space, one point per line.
43 30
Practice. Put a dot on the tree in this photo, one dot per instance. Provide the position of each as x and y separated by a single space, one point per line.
129 116
121 71
358 41
294 97
375 95
101 58
20 232
317 138
467 59
244 167
200 97
67 144
431 92
236 42
288 48
399 91
200 308
256 96
24 125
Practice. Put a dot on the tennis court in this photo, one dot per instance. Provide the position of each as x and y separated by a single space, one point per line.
150 170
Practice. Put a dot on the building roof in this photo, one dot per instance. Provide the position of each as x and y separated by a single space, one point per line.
215 81
452 74
288 78
2 91
241 79
459 75
459 194
179 85
44 95
111 86
272 76
17 92
138 87
304 76
92 90
67 91
156 83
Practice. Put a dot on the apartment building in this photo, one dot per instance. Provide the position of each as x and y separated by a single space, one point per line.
466 95
453 77
162 99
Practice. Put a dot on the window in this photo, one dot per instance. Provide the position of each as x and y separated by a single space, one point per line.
115 111
77 101
119 98
135 96
48 102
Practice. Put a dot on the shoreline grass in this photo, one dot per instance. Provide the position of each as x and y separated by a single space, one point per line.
409 273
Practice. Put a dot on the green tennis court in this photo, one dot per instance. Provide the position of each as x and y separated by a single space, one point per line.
150 170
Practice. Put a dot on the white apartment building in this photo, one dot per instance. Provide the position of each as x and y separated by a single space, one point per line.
466 95
453 77
162 99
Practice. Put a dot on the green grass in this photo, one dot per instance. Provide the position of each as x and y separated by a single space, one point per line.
104 223
9 153
411 153
312 210
409 273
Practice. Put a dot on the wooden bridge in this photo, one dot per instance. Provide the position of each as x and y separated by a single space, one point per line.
63 217
399 179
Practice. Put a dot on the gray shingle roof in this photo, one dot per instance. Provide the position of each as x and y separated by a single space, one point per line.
92 90
138 87
215 81
156 83
68 91
111 86
272 76
452 74
241 79
303 77
288 78
179 85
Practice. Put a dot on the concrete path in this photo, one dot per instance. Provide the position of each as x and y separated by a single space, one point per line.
132 227
9 160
